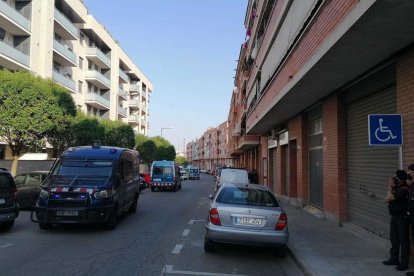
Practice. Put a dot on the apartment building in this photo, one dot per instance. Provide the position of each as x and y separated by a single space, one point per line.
60 40
308 76
211 149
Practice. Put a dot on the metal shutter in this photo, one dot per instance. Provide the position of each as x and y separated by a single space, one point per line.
369 168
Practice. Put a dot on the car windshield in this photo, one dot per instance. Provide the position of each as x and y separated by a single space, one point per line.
194 170
232 176
83 168
247 196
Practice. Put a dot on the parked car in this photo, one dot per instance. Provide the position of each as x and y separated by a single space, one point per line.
89 185
232 175
9 208
28 187
147 178
184 175
246 215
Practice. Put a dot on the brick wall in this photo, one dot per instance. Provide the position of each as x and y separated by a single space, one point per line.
405 103
334 157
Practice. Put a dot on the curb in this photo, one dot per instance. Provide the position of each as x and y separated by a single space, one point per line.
303 266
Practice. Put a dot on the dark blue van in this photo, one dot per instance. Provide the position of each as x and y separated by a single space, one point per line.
89 185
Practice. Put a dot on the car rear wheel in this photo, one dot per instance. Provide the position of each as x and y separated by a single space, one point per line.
6 225
45 226
208 246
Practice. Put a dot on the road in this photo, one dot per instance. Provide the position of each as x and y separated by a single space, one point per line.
164 237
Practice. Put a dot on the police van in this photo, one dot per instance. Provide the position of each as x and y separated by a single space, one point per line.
194 172
165 175
90 184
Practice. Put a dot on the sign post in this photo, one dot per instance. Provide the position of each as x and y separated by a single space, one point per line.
386 130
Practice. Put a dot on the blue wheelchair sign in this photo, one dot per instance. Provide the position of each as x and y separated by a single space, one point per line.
385 129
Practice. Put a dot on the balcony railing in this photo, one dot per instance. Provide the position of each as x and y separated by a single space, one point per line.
133 119
123 94
134 88
64 81
99 57
122 111
97 100
13 15
64 51
123 75
98 79
67 24
133 104
13 53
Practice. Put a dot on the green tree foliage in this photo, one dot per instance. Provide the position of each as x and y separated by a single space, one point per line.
148 151
31 108
87 129
140 139
118 134
181 160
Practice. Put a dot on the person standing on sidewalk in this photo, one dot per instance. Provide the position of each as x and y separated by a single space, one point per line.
397 197
410 206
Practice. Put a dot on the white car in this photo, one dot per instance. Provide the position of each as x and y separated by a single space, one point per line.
184 175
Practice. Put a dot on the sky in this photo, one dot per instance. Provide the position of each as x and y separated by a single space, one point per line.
188 49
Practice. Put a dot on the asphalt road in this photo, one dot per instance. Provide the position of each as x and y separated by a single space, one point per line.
164 237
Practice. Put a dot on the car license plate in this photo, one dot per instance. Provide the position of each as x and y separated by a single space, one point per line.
249 221
67 213
2 201
157 179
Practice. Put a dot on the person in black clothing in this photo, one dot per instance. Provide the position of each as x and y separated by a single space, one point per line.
410 207
397 197
253 177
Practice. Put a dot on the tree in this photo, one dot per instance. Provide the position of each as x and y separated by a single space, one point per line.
147 151
181 160
118 134
30 109
87 129
140 139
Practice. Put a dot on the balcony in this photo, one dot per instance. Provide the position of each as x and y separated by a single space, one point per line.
13 21
97 101
133 119
143 121
98 57
64 55
64 27
144 94
97 79
123 76
12 58
133 104
123 94
122 111
247 142
134 88
66 82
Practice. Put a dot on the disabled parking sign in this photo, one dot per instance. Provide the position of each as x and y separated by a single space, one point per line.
385 130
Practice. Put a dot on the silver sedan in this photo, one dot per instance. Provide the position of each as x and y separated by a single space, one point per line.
246 214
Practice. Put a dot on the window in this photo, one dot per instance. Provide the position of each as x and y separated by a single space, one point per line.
80 86
315 127
56 67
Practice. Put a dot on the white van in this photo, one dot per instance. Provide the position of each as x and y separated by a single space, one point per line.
234 176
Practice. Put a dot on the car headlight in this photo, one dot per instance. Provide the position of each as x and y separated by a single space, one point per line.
44 194
102 194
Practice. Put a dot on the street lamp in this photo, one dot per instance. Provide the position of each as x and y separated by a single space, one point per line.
165 128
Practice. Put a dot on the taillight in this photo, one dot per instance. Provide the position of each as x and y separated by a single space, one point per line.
282 222
214 217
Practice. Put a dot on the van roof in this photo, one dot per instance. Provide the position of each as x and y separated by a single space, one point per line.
94 152
164 163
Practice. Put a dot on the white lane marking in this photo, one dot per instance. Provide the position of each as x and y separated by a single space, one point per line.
177 249
169 269
6 245
186 232
195 220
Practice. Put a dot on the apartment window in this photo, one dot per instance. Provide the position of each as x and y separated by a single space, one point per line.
80 63
2 34
82 39
90 65
80 86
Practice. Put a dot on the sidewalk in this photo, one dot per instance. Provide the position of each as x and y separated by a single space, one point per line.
320 247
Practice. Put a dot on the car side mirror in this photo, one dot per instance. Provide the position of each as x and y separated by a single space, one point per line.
210 196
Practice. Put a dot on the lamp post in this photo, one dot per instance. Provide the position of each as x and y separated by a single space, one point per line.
165 128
